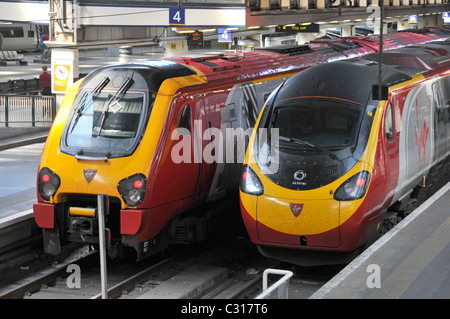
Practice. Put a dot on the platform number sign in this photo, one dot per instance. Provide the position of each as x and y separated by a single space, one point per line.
176 17
224 35
412 19
445 15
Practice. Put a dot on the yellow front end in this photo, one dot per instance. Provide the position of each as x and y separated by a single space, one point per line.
74 180
297 218
311 219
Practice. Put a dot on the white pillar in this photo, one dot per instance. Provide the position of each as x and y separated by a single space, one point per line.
302 38
176 47
403 25
348 31
303 4
320 4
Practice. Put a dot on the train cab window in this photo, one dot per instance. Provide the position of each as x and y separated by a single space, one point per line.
319 122
184 120
103 125
389 124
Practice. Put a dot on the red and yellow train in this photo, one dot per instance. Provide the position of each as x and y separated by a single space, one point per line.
152 136
348 165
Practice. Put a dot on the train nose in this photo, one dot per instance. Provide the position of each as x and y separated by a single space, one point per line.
298 222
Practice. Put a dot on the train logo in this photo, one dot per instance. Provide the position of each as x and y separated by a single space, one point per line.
421 137
299 175
296 209
89 174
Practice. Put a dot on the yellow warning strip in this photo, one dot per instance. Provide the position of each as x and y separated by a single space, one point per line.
82 211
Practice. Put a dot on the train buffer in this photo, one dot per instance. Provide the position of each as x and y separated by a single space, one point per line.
7 57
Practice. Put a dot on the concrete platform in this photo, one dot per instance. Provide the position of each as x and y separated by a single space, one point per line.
190 283
11 137
410 261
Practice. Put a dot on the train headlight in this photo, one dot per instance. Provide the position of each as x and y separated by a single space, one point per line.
48 183
353 188
250 183
132 189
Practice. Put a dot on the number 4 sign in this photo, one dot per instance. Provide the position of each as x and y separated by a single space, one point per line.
176 17
224 35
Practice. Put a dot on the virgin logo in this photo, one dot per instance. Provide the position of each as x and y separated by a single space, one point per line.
421 137
89 174
296 209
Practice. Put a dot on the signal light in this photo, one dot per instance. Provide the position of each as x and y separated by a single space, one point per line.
48 183
132 189
353 188
360 182
250 182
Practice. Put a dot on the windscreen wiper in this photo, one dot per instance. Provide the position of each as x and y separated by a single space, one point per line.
81 104
302 142
115 99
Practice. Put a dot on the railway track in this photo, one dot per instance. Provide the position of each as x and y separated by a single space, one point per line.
225 266
160 278
128 282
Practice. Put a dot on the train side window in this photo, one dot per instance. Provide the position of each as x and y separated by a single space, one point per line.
184 119
389 124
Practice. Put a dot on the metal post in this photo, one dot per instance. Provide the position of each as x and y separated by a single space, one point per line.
53 107
380 52
102 201
33 112
6 111
75 20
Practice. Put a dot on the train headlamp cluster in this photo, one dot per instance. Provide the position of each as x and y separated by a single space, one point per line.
132 189
353 188
48 183
250 183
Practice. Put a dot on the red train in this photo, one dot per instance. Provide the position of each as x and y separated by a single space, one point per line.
348 165
155 137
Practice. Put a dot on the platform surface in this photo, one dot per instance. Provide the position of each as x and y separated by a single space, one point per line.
412 261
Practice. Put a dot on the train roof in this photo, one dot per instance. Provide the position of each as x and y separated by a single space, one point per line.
416 59
266 62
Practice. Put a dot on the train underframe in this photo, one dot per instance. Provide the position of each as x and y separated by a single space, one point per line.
127 232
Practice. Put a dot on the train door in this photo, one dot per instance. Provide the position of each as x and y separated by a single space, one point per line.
201 140
439 121
391 138
181 171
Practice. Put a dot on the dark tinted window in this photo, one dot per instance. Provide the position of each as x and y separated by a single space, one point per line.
12 32
325 123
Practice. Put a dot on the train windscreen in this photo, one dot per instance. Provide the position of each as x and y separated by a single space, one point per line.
106 124
108 116
325 123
